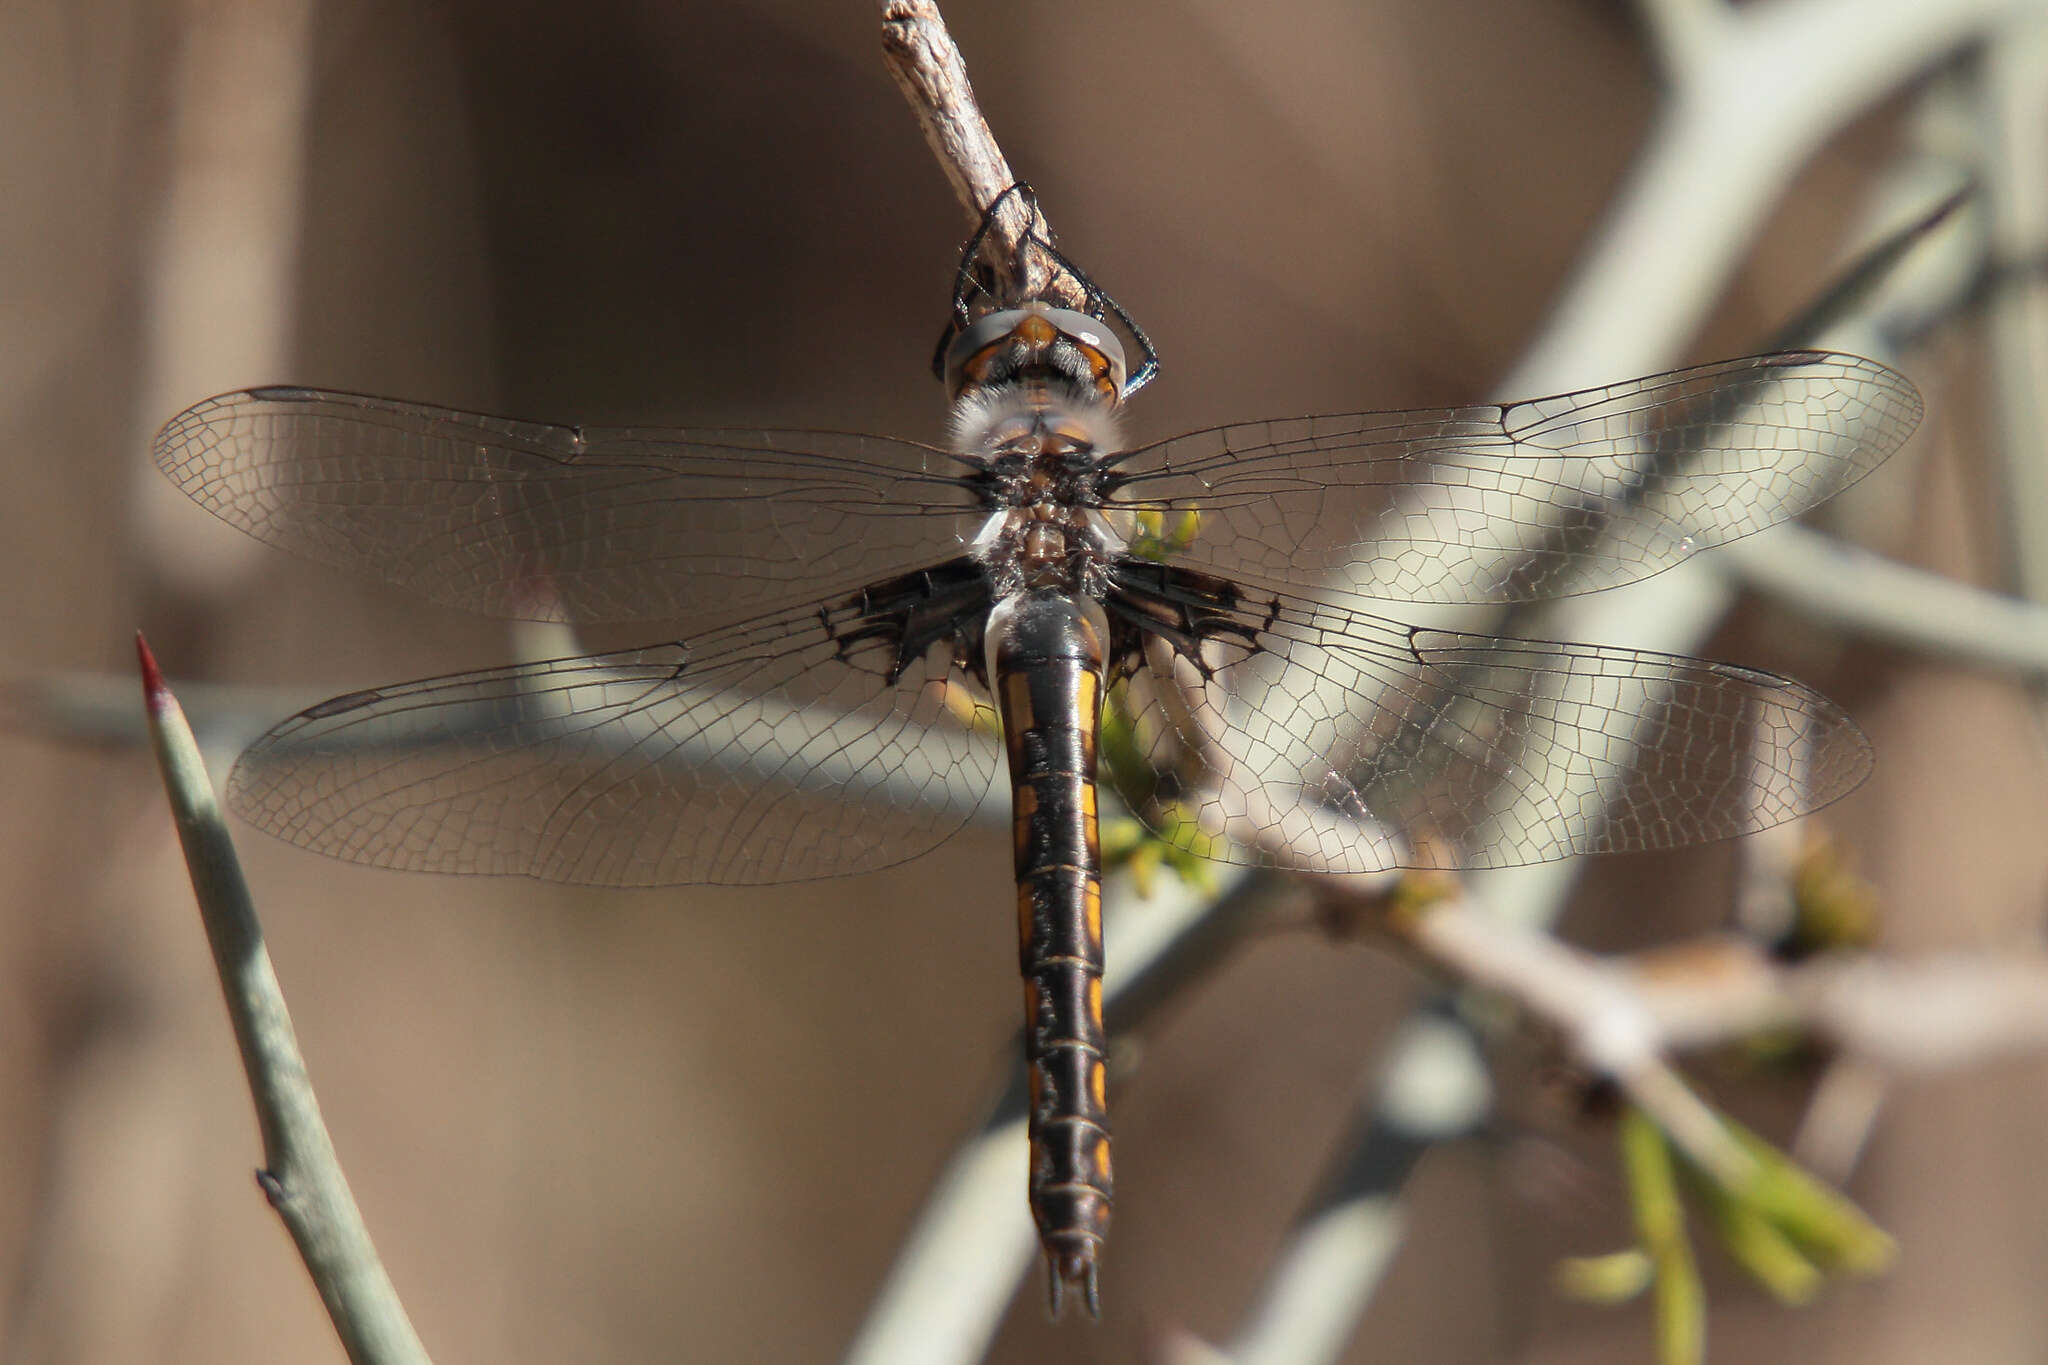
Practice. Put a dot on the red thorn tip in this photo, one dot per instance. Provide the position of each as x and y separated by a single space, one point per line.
152 677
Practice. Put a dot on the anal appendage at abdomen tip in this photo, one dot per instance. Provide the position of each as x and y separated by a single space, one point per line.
1073 1266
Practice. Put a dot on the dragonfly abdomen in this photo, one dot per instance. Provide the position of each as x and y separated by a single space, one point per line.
1047 652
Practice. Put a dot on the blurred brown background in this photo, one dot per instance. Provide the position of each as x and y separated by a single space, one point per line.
693 1125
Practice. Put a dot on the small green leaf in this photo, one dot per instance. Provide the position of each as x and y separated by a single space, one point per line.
1660 1225
1153 539
1832 1232
1757 1245
1611 1279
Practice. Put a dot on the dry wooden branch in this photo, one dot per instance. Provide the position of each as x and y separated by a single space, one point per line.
928 68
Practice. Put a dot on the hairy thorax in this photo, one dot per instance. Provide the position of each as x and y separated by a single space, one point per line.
1041 445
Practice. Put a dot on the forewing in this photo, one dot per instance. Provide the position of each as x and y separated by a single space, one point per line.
566 523
1506 504
770 752
1316 737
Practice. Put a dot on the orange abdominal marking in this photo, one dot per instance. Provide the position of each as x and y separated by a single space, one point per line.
1024 806
1017 712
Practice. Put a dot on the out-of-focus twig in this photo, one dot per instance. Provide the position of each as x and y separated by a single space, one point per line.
1848 298
2015 87
1839 1117
1739 120
99 708
1624 1017
1603 1018
1432 1088
223 277
958 1268
301 1174
1866 594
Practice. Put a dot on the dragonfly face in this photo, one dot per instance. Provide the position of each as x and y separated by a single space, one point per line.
884 608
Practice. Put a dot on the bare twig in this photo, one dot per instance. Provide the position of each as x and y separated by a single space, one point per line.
301 1175
1741 119
1623 1016
928 68
1927 1014
1602 1016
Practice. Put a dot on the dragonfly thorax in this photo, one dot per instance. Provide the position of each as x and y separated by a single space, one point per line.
1041 465
1035 391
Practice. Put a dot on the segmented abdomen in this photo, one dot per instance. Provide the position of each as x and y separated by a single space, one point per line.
1046 653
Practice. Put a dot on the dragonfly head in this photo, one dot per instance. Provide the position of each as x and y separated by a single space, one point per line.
1037 340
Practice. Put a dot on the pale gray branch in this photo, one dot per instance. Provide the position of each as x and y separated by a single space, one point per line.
1433 1087
1624 1018
1597 1008
301 1174
1922 1014
1866 594
2016 188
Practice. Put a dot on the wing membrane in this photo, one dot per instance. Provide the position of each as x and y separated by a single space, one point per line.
774 751
1317 736
1507 504
566 523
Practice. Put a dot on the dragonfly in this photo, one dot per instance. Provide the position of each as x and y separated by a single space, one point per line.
871 625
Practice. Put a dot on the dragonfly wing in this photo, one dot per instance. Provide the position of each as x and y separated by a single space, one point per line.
1320 737
566 523
794 746
1508 504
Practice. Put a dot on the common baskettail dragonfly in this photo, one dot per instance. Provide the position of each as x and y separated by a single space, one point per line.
867 612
